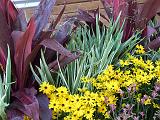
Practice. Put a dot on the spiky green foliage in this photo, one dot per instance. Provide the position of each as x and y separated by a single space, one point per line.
45 74
5 88
98 51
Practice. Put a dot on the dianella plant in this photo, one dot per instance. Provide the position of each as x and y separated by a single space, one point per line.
5 87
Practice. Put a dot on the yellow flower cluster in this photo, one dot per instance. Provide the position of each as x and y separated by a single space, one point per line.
77 106
132 73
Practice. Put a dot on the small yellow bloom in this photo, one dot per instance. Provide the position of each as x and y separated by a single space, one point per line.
26 117
46 88
124 63
148 101
140 49
102 109
107 115
156 105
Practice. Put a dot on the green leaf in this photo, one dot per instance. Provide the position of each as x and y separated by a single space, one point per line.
35 75
46 69
8 78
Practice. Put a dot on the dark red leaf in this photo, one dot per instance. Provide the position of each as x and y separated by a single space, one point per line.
11 11
14 114
149 10
150 31
107 6
54 23
63 33
27 103
16 35
129 14
63 60
155 44
21 22
44 111
85 16
5 34
3 59
23 49
55 46
42 14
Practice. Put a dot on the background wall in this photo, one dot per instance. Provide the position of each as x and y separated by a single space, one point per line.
73 5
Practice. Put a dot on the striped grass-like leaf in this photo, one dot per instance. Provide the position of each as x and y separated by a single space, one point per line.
43 70
8 78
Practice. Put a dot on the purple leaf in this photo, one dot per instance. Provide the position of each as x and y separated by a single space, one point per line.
42 14
23 49
55 46
66 56
44 111
149 10
3 59
62 34
21 22
85 16
5 34
14 114
54 23
150 31
63 60
27 103
155 44
107 6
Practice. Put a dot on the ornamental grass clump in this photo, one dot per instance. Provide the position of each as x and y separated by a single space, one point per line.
98 50
129 90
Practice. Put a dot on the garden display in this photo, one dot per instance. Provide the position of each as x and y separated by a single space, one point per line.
80 68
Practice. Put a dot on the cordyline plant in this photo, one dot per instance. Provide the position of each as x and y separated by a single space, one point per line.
25 40
135 15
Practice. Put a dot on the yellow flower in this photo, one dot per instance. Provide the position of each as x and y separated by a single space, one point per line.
89 113
113 86
140 49
156 105
124 63
79 112
102 109
148 101
55 105
123 105
62 91
54 115
112 99
26 117
139 97
107 115
46 88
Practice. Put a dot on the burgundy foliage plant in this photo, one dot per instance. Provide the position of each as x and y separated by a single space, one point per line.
26 39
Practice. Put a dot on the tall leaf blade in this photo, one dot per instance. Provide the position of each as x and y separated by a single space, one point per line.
8 78
42 14
5 34
23 49
46 69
